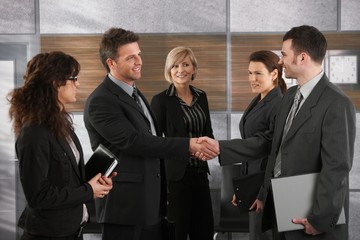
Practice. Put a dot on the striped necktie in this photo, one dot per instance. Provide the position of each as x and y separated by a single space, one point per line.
136 97
294 108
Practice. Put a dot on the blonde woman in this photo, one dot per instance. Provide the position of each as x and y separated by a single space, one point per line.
182 111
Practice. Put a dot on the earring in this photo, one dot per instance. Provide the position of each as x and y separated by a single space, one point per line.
192 77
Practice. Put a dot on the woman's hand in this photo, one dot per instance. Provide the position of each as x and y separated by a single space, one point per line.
259 205
101 185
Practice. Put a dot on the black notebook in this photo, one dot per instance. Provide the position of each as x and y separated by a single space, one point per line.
246 189
101 161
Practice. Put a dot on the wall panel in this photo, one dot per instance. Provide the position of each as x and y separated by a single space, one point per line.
150 16
210 51
242 45
279 15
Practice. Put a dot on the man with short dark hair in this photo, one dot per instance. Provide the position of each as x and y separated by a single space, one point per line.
314 131
118 116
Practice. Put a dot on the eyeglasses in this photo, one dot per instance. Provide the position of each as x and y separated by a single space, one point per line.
73 78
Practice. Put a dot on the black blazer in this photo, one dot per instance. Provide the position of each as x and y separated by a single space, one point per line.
113 119
54 185
169 117
320 139
258 117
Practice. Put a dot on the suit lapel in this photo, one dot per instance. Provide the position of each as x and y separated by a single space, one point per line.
151 113
176 114
305 111
281 117
67 149
126 98
253 106
81 162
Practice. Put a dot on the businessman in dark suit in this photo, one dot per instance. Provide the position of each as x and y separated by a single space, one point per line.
118 116
320 139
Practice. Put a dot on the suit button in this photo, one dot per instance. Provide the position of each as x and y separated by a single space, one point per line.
158 175
149 130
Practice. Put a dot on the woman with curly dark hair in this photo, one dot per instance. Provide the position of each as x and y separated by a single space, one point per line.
50 156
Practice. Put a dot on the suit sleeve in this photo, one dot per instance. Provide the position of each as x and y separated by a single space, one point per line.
205 106
159 110
119 124
42 189
337 150
243 150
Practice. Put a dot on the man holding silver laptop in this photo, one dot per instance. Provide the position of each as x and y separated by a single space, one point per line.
314 132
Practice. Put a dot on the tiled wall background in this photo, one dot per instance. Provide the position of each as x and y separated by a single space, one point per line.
23 21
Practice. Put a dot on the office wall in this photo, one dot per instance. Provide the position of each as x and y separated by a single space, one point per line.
24 22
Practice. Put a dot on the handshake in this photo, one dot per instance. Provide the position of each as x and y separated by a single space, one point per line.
204 148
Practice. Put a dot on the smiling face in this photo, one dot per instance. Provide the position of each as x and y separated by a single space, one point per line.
127 67
67 92
182 72
289 60
261 80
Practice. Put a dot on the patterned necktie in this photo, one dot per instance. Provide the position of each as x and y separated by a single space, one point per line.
294 108
136 97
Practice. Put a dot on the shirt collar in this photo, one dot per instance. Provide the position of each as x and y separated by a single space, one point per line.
171 91
126 87
307 88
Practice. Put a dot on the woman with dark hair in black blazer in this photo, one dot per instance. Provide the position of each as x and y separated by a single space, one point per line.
182 111
50 156
265 77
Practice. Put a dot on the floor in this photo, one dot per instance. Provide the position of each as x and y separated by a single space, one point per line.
220 236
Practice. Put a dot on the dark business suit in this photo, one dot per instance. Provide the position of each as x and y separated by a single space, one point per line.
53 183
258 117
320 139
189 192
169 117
138 196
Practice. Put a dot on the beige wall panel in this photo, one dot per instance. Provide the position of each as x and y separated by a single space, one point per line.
350 15
17 17
280 16
150 16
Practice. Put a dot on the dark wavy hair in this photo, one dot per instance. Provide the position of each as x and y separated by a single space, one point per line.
112 40
308 39
271 62
36 102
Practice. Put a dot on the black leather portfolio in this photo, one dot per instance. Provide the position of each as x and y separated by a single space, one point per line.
246 189
101 161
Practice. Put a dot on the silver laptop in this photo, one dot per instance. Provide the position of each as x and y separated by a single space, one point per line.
293 198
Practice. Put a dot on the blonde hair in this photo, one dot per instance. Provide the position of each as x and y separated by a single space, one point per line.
175 56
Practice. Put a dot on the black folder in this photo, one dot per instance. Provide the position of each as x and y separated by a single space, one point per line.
246 189
101 161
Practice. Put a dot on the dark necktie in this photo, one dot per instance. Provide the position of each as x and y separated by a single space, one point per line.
289 120
136 97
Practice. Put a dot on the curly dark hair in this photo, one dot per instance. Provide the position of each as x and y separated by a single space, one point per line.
112 40
36 102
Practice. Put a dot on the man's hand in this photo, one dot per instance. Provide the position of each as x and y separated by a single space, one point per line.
204 148
308 228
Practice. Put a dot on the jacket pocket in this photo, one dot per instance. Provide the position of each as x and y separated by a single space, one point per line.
128 177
